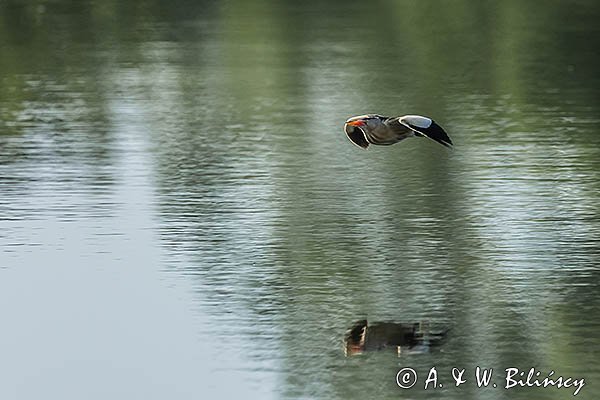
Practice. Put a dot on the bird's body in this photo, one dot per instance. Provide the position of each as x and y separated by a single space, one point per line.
401 336
367 129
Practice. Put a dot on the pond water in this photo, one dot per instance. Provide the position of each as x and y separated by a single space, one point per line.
182 216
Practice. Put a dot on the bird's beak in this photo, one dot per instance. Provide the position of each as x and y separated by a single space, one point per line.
358 122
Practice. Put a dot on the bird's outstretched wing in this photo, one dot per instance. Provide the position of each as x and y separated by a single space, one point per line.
426 127
357 136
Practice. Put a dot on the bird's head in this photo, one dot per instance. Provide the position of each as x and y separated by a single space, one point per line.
355 338
357 121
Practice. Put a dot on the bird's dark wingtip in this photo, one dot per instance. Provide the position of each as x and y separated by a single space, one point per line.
437 133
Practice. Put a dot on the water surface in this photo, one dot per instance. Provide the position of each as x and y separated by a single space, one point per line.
181 214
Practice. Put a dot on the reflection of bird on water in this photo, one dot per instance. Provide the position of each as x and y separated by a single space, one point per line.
399 336
368 129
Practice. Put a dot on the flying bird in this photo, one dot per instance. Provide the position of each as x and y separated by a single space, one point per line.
367 129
